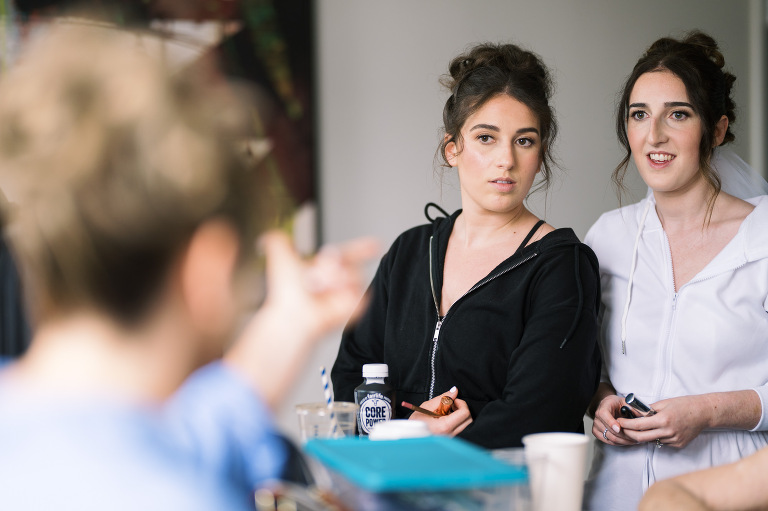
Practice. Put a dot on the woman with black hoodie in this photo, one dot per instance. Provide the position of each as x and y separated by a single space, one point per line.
490 303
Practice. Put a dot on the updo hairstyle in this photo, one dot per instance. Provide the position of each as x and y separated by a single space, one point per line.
697 61
488 70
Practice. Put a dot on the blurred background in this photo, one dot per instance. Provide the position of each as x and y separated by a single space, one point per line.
350 93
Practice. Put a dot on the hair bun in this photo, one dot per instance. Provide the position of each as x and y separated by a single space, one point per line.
707 45
507 58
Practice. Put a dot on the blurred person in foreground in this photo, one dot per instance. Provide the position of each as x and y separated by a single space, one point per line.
738 486
136 214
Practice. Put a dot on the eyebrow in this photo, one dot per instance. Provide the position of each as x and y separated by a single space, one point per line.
491 127
669 104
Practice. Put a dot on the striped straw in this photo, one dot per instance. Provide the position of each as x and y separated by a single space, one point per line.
328 400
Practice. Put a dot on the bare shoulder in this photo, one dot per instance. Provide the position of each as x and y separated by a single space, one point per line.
542 231
730 211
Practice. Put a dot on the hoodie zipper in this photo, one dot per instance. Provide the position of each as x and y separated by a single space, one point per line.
675 299
442 319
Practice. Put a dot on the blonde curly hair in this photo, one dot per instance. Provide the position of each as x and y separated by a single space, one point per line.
112 162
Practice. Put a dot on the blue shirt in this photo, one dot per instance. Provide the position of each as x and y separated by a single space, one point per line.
206 449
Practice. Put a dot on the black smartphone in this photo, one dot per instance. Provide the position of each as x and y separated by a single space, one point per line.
626 412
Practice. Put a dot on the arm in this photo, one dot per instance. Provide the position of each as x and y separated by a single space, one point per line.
305 301
737 486
222 415
671 495
548 387
362 341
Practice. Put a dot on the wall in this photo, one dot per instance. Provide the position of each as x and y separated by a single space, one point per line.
380 105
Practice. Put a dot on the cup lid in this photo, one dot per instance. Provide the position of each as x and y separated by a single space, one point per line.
398 428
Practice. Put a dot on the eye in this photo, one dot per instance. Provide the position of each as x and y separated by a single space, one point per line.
525 142
638 115
679 115
485 138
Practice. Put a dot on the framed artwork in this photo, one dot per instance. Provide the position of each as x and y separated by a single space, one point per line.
266 44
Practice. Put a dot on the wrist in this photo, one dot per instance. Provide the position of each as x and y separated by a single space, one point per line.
707 404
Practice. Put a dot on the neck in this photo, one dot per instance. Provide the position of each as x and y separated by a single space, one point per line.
478 228
88 354
684 209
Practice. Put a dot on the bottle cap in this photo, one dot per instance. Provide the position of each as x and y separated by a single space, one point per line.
375 370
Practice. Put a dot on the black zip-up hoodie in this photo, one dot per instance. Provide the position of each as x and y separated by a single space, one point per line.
521 345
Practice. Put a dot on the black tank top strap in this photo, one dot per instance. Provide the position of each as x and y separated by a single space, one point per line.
530 235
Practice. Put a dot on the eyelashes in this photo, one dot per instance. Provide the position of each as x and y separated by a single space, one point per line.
522 141
677 115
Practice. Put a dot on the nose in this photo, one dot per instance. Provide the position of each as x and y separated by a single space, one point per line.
656 132
506 157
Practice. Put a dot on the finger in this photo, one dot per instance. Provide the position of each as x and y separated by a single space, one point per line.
457 420
281 257
619 439
357 250
607 419
640 423
644 436
607 435
443 407
339 266
461 427
452 393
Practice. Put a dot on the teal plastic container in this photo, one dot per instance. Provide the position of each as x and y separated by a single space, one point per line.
428 473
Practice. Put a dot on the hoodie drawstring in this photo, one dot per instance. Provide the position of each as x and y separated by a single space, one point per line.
433 205
632 277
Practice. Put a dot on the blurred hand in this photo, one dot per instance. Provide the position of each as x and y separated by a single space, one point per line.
451 424
319 294
305 300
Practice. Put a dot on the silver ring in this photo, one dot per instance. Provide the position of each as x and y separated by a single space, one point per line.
658 443
604 433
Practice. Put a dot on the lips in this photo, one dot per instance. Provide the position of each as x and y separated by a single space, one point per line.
503 185
660 158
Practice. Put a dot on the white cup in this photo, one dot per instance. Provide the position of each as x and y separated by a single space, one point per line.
556 469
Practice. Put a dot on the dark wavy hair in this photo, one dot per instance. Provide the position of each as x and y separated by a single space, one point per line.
488 70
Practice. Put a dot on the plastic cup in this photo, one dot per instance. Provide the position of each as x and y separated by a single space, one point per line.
520 494
556 468
315 420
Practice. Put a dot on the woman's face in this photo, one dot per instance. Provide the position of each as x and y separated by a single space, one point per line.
499 157
664 133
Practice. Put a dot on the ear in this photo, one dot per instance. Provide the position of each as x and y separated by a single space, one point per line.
451 150
206 272
720 130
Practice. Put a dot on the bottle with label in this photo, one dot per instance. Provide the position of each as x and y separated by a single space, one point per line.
374 397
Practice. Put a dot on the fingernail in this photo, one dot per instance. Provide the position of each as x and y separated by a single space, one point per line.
453 389
616 428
